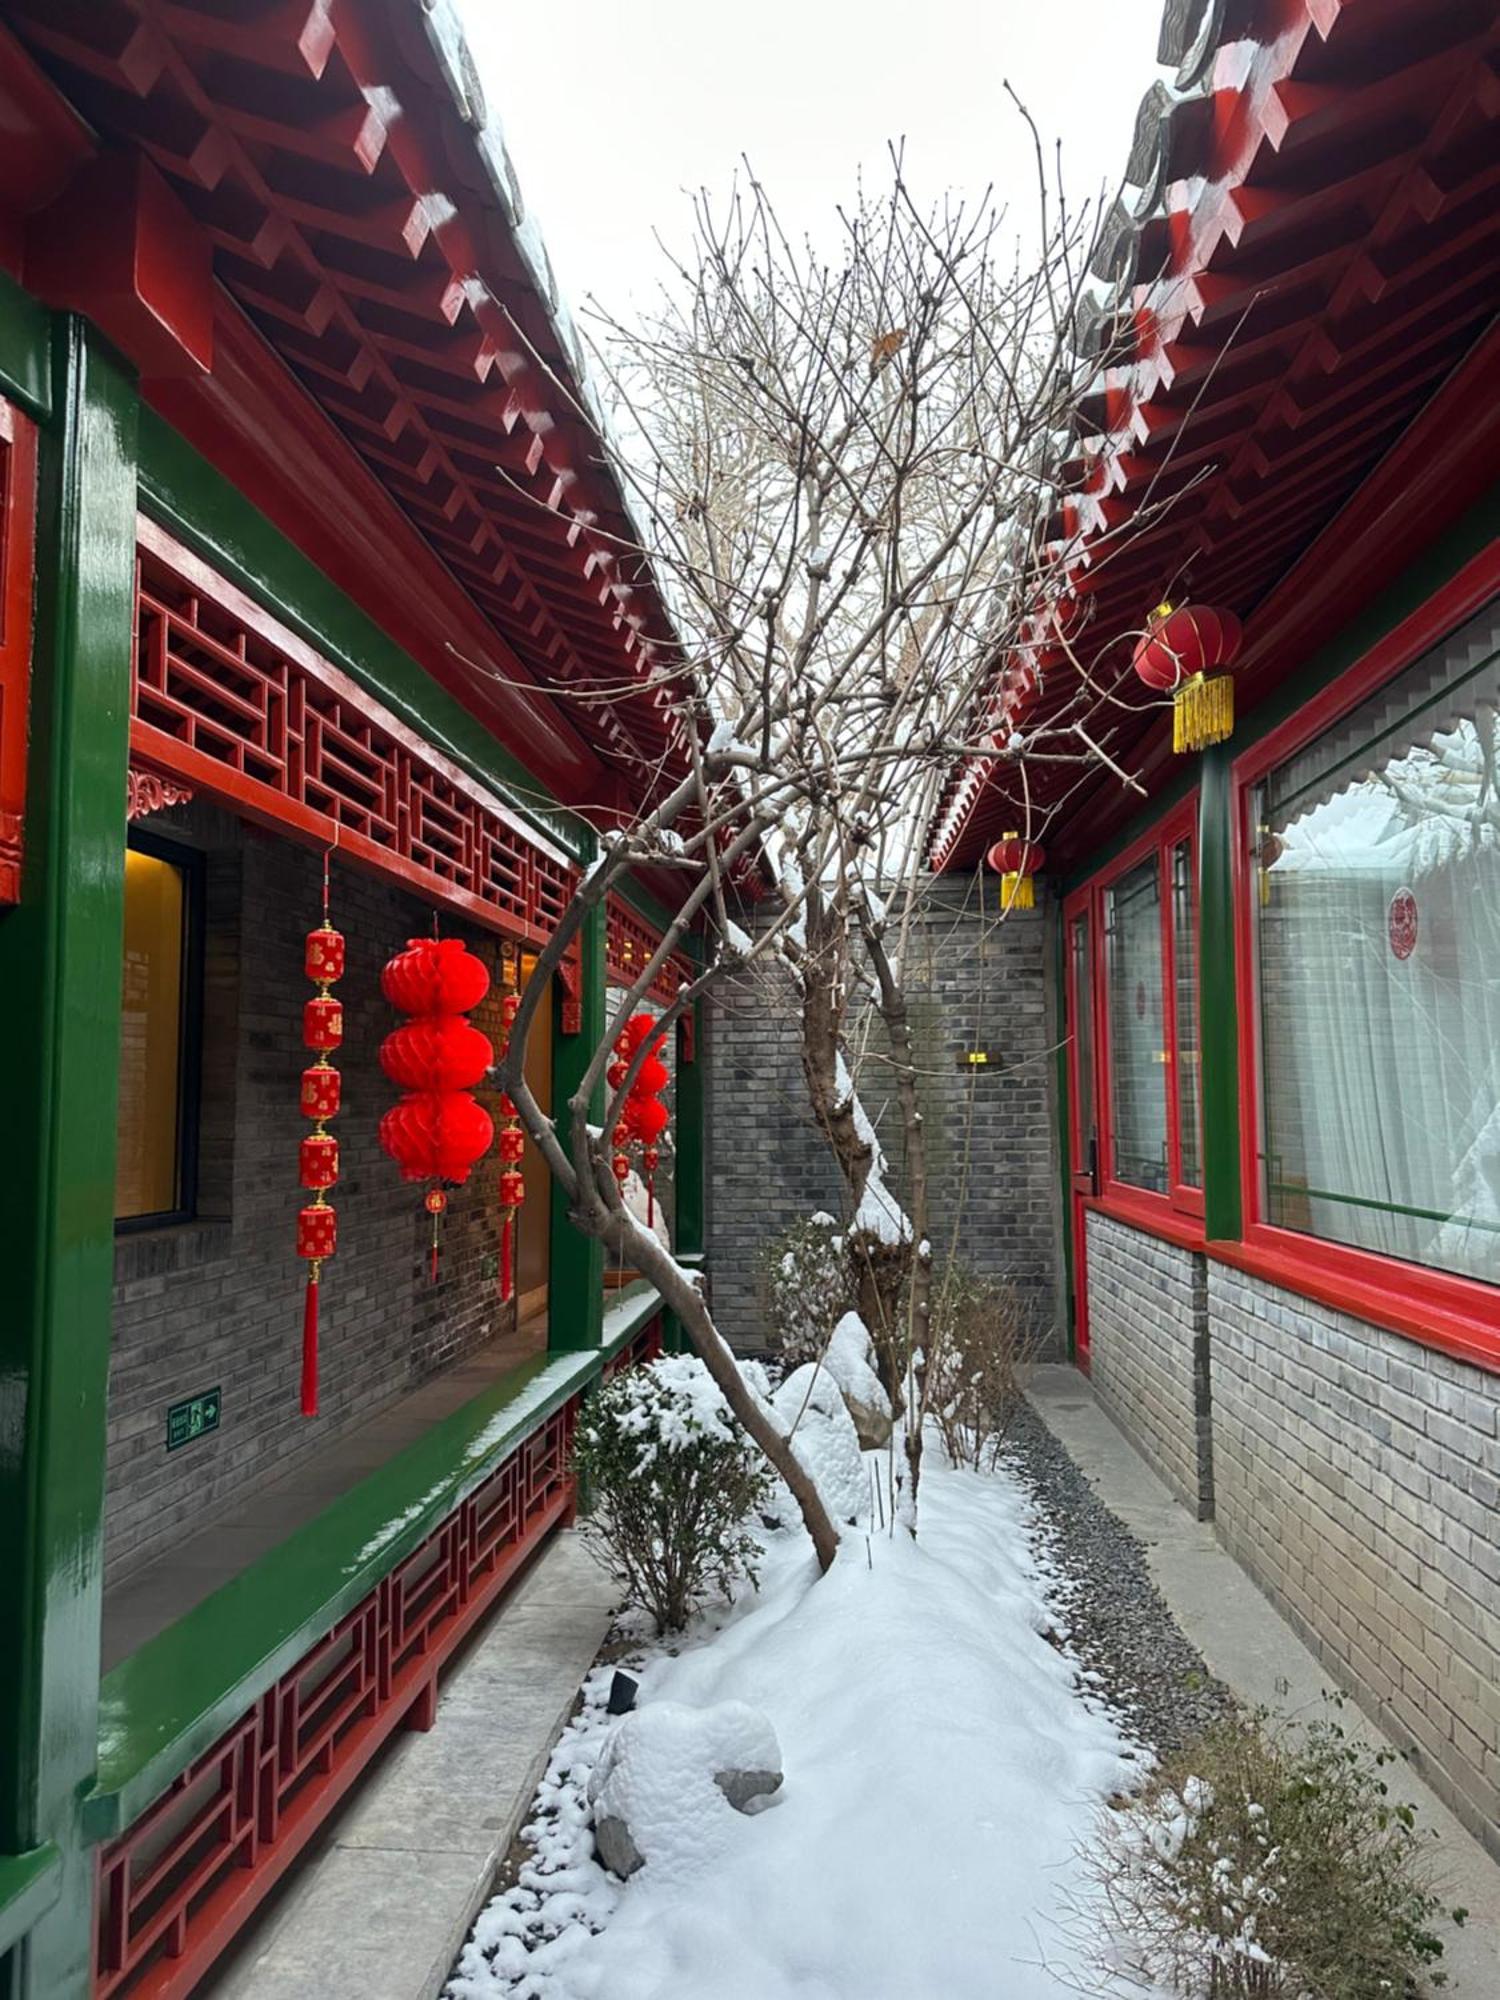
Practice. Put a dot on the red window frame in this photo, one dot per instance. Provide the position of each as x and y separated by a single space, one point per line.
1178 1211
1458 1315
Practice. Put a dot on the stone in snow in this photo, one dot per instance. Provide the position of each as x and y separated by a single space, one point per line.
850 1360
825 1442
669 1775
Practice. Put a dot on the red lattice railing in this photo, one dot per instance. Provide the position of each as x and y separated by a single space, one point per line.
228 699
179 1884
630 943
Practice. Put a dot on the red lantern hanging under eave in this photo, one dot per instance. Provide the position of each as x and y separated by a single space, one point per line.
1015 861
436 1131
1186 653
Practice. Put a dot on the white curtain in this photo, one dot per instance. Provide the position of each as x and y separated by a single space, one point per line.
1381 1069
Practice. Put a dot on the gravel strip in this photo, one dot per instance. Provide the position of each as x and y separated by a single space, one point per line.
1110 1613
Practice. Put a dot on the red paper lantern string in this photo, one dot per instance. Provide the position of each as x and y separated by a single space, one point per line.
512 1152
643 1117
436 1131
318 1155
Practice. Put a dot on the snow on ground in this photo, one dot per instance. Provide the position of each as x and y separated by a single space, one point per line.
942 1776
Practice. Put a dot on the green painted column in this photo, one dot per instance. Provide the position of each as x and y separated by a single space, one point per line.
60 992
575 1275
1219 1026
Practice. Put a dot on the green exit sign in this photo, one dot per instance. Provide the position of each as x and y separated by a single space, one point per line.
193 1419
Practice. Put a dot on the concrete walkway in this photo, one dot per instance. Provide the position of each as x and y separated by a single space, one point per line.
379 1905
1249 1646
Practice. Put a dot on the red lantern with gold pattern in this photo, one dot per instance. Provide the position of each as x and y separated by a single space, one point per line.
323 1022
1016 861
1185 652
323 960
512 1188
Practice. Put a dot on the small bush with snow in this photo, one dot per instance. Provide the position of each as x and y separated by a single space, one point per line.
1271 1863
805 1288
980 1349
671 1479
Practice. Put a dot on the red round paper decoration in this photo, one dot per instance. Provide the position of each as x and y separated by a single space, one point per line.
435 976
651 1077
647 1118
436 1135
436 1052
1403 924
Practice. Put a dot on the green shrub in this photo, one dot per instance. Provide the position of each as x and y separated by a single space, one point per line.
670 1481
805 1289
1269 1862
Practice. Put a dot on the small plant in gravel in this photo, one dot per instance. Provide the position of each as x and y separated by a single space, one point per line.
671 1481
805 1289
981 1345
1270 1862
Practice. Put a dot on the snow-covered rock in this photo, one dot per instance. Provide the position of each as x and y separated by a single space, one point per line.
850 1360
669 1776
811 1408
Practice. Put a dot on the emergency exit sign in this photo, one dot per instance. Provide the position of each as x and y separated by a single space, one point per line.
193 1419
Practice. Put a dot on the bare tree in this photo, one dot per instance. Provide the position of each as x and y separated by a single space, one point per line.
846 461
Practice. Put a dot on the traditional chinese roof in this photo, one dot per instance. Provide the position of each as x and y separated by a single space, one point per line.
1297 360
362 235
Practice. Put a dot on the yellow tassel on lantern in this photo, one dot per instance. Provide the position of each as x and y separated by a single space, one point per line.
1017 892
1202 712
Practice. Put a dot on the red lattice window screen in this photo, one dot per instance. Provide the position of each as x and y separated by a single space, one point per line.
231 701
17 556
630 943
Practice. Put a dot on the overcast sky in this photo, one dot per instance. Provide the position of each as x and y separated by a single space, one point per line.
611 108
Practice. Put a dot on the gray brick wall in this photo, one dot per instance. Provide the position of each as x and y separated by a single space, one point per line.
1149 1352
1358 1480
218 1302
991 1129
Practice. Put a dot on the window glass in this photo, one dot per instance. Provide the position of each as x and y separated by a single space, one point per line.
148 1177
1185 1016
1083 1034
1137 1051
1378 917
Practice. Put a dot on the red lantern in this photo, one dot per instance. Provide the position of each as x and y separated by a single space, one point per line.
318 1154
436 1131
1184 653
323 956
321 1090
436 1134
643 1117
512 1187
438 1052
435 976
1015 861
318 1160
317 1236
323 1022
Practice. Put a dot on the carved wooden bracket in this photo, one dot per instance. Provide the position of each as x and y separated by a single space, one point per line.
150 792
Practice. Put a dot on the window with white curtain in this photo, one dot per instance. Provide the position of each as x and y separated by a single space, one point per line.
1378 964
